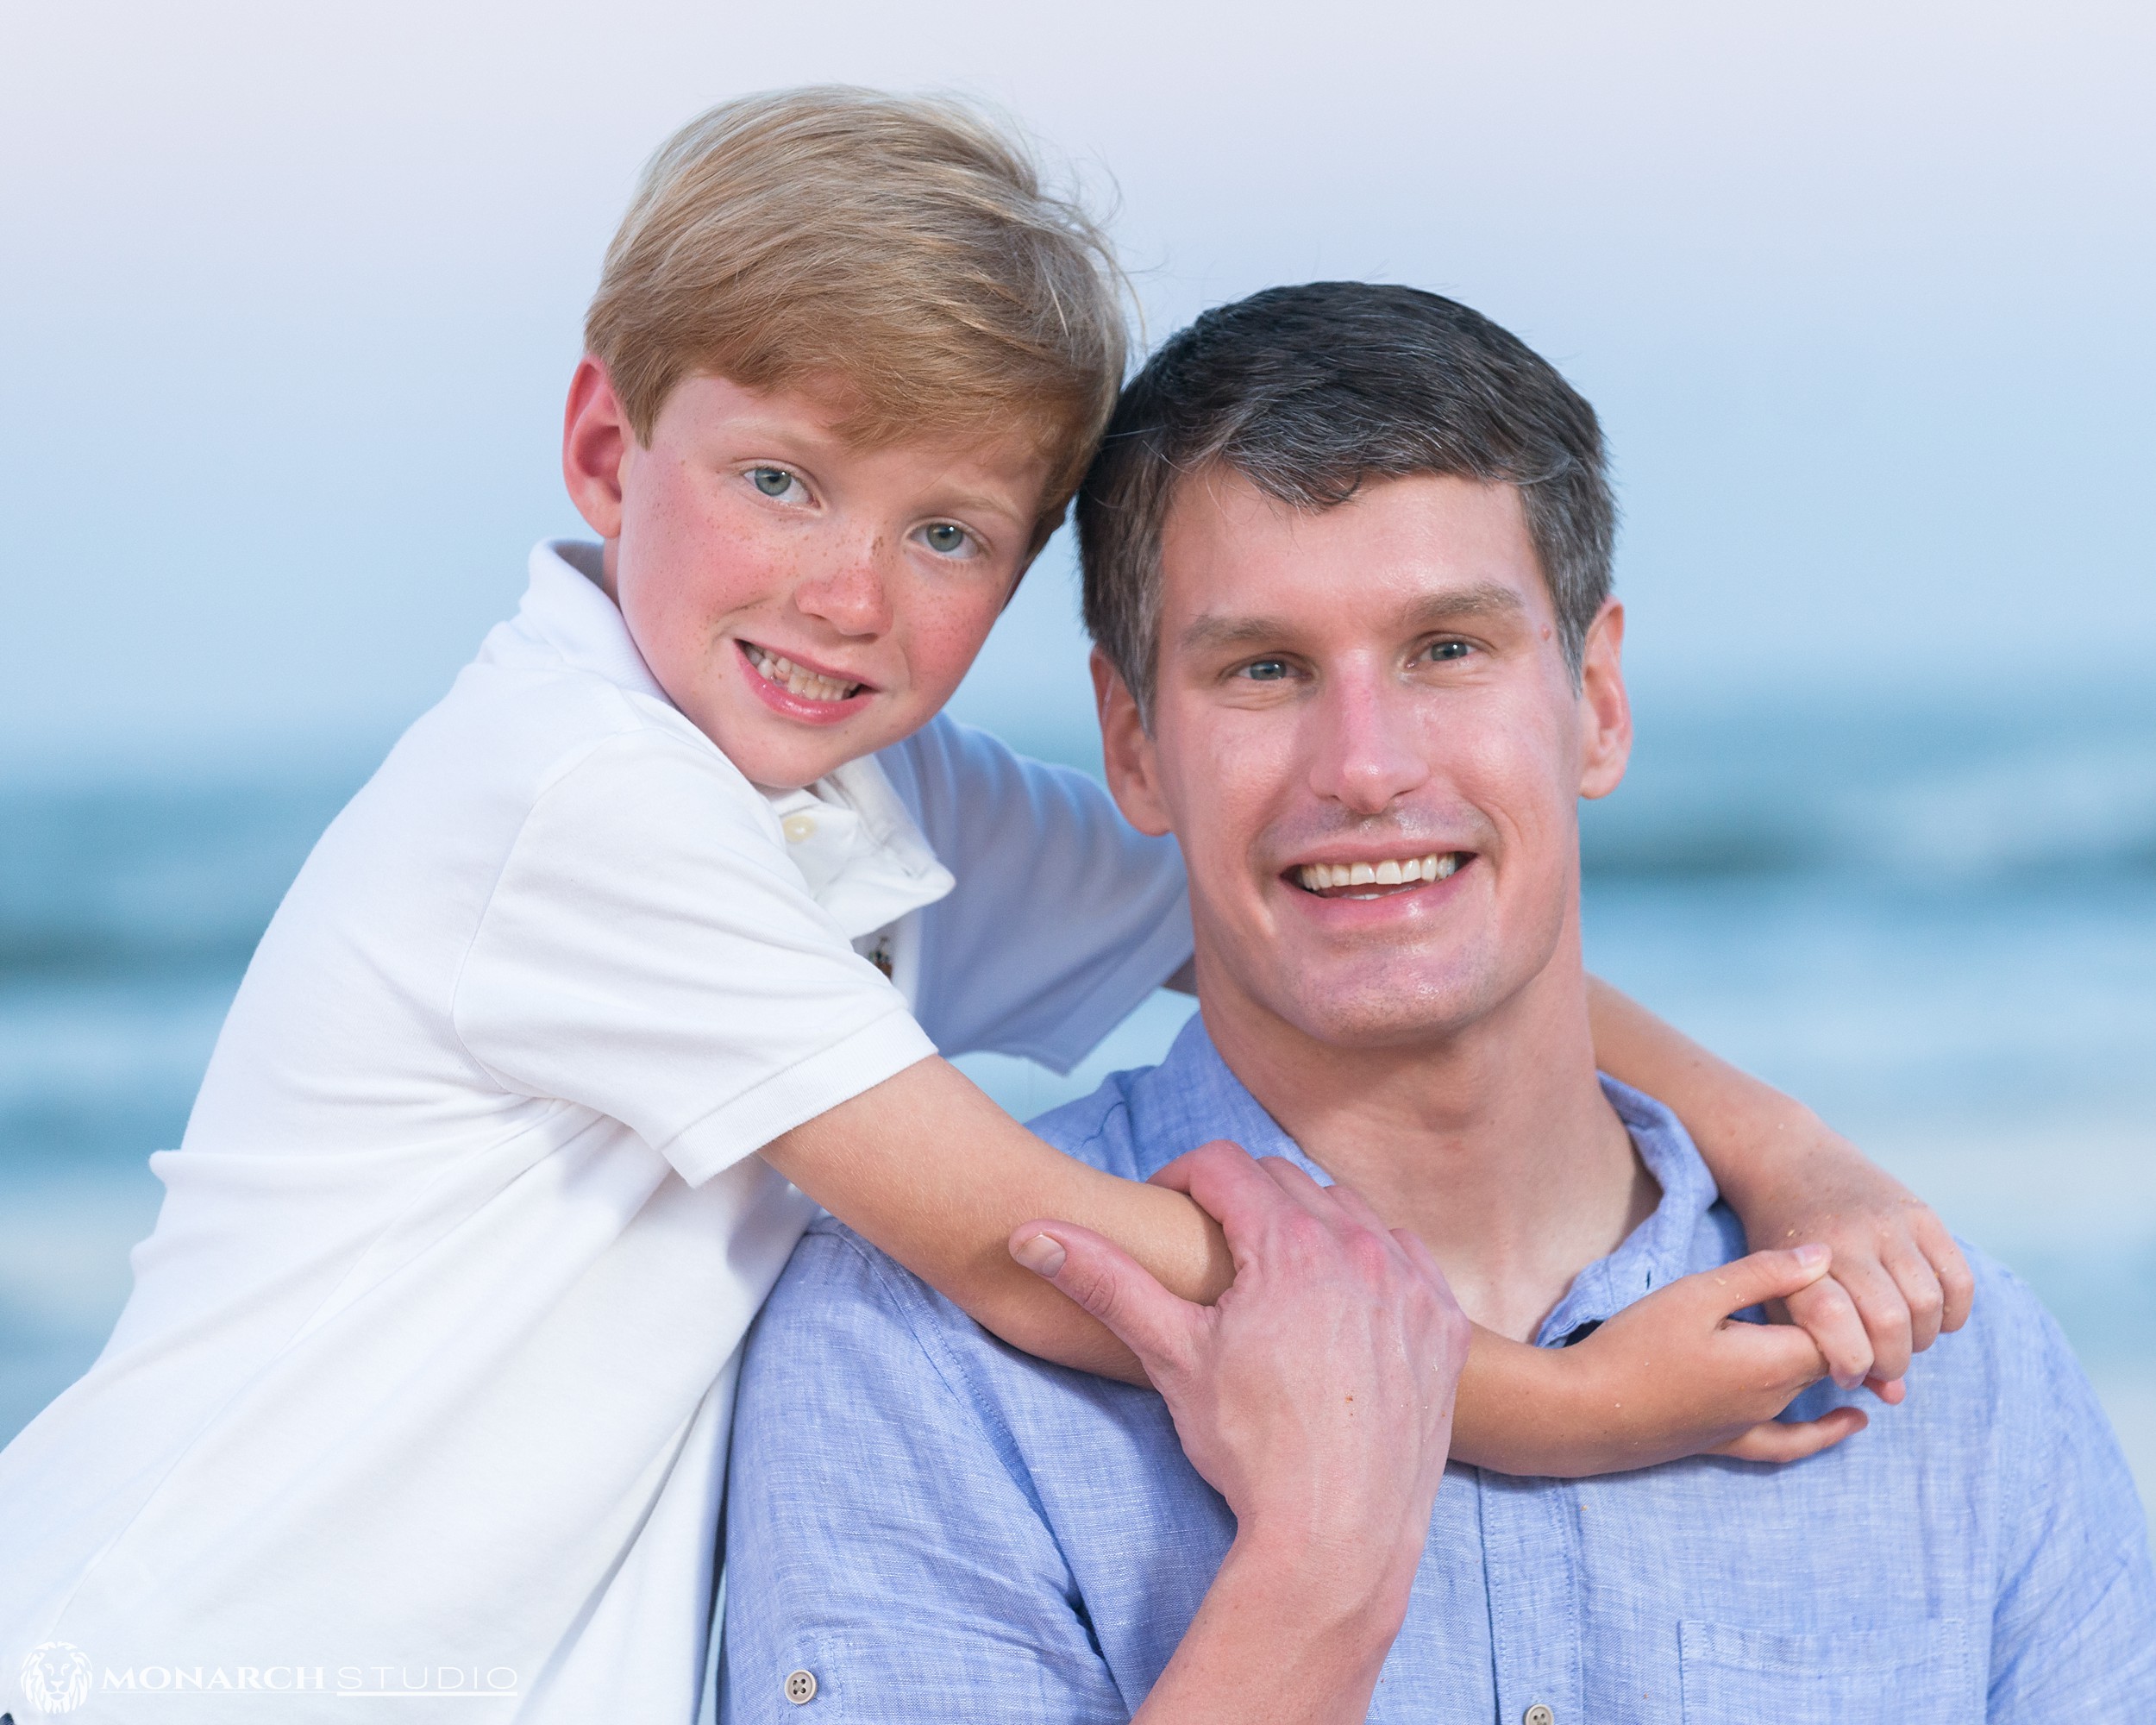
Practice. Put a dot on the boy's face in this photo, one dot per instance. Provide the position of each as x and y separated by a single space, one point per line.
804 601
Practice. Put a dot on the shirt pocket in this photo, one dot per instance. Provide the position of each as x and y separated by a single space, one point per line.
1921 1673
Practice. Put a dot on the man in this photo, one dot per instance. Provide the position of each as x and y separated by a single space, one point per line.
1346 557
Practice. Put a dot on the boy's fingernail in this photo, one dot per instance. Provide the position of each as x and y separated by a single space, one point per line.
1812 1256
1043 1254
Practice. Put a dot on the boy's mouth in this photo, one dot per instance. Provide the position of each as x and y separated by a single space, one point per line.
1376 880
798 680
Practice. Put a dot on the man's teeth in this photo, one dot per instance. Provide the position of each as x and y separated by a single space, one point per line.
1318 877
790 676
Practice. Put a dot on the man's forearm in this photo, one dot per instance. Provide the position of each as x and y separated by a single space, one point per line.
1282 1639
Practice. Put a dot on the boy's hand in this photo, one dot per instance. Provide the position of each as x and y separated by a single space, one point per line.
1897 1278
1677 1374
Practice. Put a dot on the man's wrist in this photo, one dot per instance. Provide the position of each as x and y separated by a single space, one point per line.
1339 1600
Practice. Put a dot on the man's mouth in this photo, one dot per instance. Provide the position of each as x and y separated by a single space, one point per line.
1376 880
798 679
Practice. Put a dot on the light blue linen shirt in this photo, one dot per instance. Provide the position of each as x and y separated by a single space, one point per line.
941 1528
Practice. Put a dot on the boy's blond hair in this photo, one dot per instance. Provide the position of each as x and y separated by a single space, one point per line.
902 248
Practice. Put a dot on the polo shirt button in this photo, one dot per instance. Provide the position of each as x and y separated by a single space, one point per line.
798 827
1539 1715
800 1688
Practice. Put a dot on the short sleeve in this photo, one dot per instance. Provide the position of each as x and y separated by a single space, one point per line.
648 953
877 1537
2074 1628
1064 917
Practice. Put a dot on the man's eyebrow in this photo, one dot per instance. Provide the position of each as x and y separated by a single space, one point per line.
1216 630
1484 598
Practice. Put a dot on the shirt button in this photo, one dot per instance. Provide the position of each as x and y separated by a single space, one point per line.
1537 1714
798 827
800 1688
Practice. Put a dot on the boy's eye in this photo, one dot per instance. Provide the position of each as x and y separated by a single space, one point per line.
772 481
1449 649
1265 670
946 538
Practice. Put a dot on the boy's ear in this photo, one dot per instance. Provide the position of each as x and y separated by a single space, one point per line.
1127 752
596 439
1604 707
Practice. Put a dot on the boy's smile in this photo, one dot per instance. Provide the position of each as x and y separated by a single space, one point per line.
804 601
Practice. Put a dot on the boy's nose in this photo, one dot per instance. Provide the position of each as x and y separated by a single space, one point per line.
1369 746
853 594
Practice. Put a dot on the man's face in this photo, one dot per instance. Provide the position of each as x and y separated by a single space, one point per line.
804 600
1367 741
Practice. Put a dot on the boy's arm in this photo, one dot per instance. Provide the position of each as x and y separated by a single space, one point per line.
929 1169
1897 1278
926 1167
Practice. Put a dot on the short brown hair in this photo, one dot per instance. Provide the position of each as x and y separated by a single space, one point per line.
903 248
1309 392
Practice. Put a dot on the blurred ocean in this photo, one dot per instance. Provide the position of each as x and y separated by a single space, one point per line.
1936 923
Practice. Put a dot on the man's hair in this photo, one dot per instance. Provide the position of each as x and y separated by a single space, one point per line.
1308 392
902 249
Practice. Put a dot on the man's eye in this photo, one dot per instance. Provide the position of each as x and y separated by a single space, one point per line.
946 538
772 481
1450 649
1265 670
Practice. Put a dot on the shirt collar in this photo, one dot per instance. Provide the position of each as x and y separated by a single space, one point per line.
859 850
566 609
1191 1096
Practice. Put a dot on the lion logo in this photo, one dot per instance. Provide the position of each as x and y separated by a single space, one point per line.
56 1677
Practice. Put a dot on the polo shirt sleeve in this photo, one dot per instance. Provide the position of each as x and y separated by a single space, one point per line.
2074 1624
878 1536
1064 917
648 953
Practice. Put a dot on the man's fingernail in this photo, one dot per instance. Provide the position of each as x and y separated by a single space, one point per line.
1809 1256
1043 1254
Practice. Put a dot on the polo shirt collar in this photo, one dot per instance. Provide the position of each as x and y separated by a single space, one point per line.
1193 1088
566 607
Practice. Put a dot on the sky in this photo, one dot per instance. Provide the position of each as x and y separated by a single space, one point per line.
289 298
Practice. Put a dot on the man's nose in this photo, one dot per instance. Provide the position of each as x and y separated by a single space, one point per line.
1370 745
852 593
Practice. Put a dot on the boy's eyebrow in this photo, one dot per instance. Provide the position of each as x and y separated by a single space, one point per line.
959 502
1216 630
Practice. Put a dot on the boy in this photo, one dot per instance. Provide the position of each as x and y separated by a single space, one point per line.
425 1386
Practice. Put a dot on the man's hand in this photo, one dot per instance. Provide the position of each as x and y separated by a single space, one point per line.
1316 1396
1897 1278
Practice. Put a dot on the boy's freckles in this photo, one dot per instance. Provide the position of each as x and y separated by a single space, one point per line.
784 586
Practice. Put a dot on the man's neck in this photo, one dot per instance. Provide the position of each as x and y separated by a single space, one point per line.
1493 1141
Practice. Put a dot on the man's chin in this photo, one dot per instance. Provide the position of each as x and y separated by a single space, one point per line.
1357 1011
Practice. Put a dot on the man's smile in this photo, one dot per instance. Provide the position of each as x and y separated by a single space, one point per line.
1380 878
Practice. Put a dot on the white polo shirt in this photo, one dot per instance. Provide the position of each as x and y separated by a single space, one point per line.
425 1381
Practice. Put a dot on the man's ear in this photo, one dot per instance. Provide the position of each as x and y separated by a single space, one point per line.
596 439
1127 752
1605 708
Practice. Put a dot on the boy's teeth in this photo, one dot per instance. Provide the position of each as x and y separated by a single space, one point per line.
810 684
1318 877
